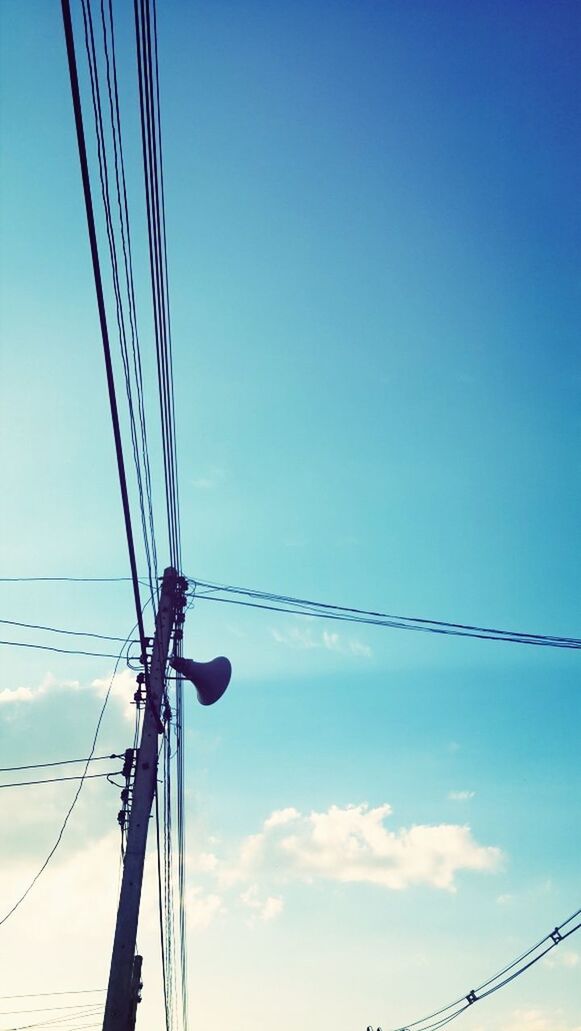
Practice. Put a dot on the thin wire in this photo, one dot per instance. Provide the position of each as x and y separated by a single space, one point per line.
281 598
60 762
59 630
88 1012
477 994
44 995
61 651
47 1009
319 610
76 98
58 780
129 278
65 579
20 900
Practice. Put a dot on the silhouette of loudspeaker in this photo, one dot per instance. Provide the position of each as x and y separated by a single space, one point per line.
210 679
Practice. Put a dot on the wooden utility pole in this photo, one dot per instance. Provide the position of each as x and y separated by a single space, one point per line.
120 1004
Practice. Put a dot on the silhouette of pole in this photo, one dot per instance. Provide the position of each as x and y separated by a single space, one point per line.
120 1005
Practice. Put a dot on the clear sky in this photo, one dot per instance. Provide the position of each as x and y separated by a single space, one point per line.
373 223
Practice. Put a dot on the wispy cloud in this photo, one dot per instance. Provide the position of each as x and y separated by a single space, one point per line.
461 796
305 638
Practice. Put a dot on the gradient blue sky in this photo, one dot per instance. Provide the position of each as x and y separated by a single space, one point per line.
373 224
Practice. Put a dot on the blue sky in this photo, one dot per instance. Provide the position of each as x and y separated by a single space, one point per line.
373 223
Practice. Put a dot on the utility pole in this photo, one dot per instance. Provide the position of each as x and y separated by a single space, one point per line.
125 973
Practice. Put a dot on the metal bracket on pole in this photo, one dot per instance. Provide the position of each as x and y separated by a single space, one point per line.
136 986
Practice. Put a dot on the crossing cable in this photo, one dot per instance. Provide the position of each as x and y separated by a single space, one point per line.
61 651
87 1012
113 93
256 599
46 995
441 1017
49 1009
152 149
89 36
60 762
155 205
60 630
57 780
76 98
85 774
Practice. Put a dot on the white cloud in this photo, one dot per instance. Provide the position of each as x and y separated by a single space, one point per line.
10 695
503 900
460 796
14 695
351 844
123 689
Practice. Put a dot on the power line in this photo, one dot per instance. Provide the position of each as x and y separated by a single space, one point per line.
439 1018
61 651
60 762
60 630
76 98
143 481
57 780
88 1011
45 995
253 598
61 832
46 1009
66 579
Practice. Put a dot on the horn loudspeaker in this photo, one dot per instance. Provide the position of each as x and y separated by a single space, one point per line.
210 679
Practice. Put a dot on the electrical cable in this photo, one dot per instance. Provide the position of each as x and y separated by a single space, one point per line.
58 780
121 188
45 995
498 981
297 606
65 579
60 762
87 1012
124 228
59 630
76 98
27 891
61 651
46 1009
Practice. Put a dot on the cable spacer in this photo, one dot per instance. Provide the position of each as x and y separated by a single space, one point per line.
556 936
471 997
